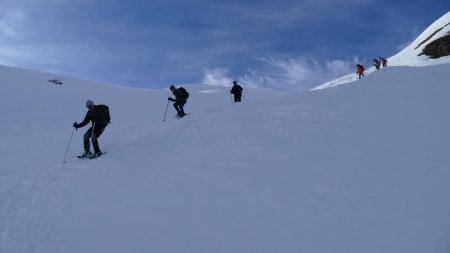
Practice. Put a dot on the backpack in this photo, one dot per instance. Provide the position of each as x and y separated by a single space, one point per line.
105 111
237 89
184 93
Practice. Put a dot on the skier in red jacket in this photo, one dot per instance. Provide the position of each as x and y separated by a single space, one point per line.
359 70
383 62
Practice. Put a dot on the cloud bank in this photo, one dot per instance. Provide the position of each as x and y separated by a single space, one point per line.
154 43
284 74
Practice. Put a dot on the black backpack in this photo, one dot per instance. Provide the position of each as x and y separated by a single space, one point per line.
184 92
105 111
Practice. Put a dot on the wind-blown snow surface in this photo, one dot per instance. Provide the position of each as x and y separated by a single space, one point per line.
357 168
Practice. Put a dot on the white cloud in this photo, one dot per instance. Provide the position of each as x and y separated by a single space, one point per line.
10 20
217 77
337 66
11 56
8 31
294 74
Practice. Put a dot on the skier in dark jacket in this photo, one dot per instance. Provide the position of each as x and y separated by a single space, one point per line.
376 63
96 114
181 96
236 91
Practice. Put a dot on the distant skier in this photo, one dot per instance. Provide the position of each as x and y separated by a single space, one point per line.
359 70
383 62
236 91
100 118
181 96
376 63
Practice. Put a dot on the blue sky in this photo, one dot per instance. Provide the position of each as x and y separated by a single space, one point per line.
283 44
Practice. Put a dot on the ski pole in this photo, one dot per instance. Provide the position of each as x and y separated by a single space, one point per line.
69 145
166 111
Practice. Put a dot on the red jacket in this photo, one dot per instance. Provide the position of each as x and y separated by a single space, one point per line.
359 69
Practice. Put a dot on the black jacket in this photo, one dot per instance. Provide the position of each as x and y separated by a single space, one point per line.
179 96
97 116
236 90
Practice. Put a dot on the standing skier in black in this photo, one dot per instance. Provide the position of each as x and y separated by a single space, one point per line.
99 115
181 96
236 91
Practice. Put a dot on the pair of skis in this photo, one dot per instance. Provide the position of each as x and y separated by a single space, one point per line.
91 156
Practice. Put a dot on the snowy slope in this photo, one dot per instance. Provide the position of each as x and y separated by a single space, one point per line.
409 56
358 168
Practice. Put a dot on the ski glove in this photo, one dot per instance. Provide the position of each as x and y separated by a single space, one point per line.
75 125
171 99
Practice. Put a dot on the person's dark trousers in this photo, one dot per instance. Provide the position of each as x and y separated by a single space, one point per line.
237 98
97 132
179 107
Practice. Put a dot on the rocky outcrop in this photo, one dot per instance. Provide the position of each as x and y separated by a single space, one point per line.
437 48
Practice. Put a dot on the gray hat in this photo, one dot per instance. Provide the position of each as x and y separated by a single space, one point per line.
89 103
